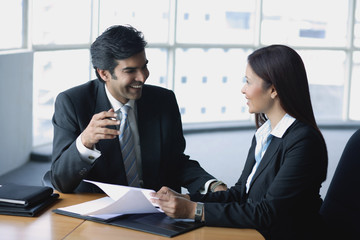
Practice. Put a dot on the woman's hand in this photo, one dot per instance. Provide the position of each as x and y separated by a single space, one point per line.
174 204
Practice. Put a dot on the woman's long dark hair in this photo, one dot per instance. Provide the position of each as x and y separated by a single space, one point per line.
282 67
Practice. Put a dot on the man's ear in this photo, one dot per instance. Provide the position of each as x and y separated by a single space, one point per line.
104 74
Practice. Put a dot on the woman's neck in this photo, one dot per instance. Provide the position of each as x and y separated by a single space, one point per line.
275 116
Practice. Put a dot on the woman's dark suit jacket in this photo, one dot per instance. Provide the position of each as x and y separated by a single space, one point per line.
161 140
283 200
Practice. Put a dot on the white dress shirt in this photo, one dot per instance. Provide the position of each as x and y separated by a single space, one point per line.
90 155
264 136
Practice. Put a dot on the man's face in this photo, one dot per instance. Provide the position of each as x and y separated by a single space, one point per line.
128 78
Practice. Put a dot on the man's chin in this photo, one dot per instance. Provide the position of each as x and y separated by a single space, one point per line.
136 96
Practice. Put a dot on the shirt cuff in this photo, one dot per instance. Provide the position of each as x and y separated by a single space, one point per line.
87 155
207 186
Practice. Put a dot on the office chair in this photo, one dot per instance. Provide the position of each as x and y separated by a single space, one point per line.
341 206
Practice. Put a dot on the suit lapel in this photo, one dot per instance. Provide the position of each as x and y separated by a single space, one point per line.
249 164
250 161
111 146
269 155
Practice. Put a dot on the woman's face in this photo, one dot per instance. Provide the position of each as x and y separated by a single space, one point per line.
258 98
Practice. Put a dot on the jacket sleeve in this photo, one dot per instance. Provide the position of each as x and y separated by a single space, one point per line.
67 169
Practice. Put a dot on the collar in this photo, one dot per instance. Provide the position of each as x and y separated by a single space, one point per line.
264 131
279 130
282 126
116 105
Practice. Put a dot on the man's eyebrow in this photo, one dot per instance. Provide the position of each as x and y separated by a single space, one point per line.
133 68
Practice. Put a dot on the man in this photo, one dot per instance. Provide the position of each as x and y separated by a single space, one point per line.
89 121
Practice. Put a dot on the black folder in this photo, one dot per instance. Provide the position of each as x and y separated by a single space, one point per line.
22 195
155 223
31 210
23 200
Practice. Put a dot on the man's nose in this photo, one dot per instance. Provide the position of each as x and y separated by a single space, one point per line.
141 76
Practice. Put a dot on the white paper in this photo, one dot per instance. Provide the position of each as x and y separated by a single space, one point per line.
120 200
90 206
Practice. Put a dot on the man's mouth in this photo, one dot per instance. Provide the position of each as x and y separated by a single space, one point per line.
136 86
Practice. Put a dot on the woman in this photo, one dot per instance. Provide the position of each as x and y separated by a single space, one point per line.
278 190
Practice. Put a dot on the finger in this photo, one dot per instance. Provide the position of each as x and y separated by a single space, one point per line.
109 122
169 210
105 136
164 189
108 131
163 205
158 203
105 114
99 124
155 201
164 196
111 110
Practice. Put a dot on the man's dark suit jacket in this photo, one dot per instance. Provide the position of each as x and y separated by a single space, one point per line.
161 139
283 200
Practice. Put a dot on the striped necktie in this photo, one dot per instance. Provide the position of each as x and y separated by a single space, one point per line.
128 148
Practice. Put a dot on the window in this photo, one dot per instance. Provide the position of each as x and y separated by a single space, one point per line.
11 34
305 22
61 22
354 86
196 48
53 73
154 24
326 75
300 24
208 84
216 22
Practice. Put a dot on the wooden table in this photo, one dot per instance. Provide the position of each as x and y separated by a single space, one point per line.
92 230
46 226
50 225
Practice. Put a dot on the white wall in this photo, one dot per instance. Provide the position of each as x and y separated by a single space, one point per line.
15 109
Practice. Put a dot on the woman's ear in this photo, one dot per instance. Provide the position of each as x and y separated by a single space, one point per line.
273 92
104 74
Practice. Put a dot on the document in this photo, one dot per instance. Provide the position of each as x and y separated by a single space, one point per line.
120 200
131 208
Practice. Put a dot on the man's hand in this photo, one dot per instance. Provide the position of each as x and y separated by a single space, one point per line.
97 128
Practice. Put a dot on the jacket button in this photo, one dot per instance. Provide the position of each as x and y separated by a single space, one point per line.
83 171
